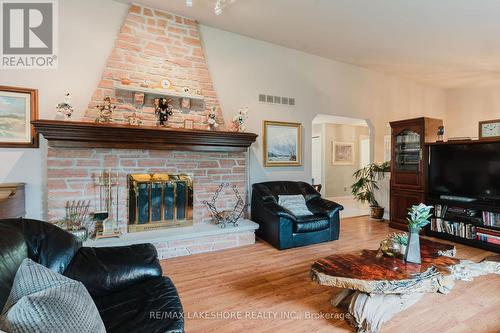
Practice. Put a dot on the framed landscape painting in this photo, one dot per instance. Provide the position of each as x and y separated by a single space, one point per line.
18 107
282 144
342 153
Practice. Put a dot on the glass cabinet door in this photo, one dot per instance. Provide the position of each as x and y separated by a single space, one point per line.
408 151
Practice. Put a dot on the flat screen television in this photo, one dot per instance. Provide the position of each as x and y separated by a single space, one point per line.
465 170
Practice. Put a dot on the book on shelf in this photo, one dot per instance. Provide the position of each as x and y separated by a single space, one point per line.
440 210
488 235
488 238
459 229
491 219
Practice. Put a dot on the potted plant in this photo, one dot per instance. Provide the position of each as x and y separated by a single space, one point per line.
419 218
365 185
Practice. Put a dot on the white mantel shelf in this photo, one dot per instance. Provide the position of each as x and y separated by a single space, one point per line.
163 235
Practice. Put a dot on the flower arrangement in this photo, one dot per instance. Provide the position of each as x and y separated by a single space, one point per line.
399 238
419 217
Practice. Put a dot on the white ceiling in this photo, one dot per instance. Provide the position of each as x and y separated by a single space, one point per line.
446 43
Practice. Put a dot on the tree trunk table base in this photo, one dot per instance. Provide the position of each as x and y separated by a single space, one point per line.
367 312
376 288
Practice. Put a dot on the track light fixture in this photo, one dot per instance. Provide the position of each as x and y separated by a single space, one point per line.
218 7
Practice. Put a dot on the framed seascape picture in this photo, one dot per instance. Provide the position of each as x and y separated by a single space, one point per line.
282 144
18 107
342 153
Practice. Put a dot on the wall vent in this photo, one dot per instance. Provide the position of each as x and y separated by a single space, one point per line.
281 100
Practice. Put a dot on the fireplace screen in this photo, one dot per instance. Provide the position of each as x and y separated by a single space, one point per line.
158 201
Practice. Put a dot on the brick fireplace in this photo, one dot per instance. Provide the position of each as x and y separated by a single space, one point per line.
71 173
71 176
151 46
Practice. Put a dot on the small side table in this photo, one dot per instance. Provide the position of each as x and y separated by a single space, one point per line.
12 200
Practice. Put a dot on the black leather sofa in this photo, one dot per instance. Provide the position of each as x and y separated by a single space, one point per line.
279 227
126 282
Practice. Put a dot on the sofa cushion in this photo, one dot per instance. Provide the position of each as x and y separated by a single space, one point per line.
149 306
310 223
294 203
44 301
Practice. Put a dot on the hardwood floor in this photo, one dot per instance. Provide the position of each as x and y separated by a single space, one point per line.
259 280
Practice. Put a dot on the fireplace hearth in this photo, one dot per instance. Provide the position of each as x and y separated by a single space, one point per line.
159 201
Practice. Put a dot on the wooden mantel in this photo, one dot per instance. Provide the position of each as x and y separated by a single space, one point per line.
73 134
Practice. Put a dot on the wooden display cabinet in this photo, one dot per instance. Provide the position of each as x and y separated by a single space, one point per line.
409 165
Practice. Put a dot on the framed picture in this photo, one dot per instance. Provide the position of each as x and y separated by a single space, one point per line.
18 107
188 124
282 144
342 153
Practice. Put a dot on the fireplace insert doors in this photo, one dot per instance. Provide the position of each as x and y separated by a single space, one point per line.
158 201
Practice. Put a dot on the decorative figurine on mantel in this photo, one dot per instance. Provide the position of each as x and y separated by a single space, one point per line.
133 120
163 110
105 111
240 120
212 119
64 110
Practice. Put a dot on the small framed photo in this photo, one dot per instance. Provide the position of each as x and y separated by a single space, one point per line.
186 103
188 124
282 144
18 108
342 153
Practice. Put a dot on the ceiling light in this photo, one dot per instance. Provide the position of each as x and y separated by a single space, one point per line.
218 7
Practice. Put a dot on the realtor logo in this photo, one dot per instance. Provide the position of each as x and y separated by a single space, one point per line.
29 34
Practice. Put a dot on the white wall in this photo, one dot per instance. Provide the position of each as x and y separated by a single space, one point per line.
241 69
87 30
467 106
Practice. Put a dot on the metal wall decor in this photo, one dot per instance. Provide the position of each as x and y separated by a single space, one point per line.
226 216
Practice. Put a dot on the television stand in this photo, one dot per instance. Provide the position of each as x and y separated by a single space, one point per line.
473 223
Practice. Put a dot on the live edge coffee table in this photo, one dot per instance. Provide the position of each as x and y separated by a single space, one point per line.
375 288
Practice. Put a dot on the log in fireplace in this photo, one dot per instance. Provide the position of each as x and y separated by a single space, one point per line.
158 201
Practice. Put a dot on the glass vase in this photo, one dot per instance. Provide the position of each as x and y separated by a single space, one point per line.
413 248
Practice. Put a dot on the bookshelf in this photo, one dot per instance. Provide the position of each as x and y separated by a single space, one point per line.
469 223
